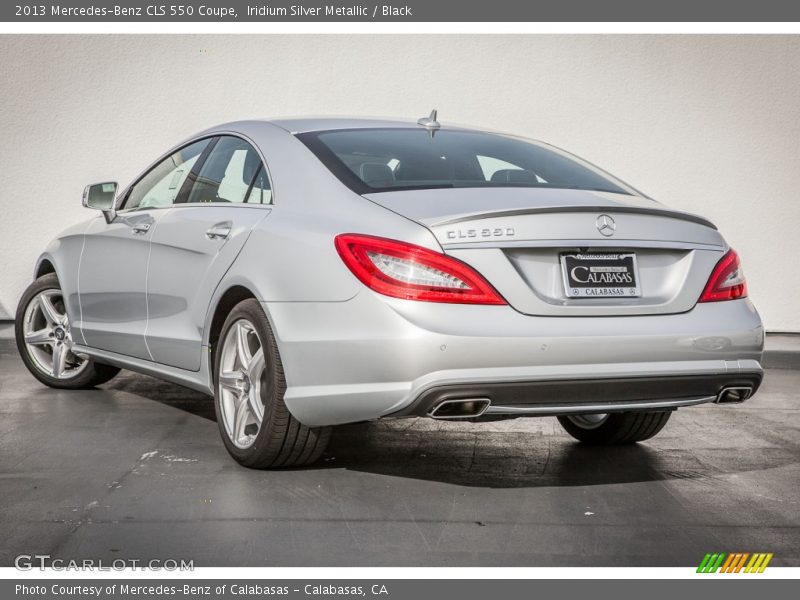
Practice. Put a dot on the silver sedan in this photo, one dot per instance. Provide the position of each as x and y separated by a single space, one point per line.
312 272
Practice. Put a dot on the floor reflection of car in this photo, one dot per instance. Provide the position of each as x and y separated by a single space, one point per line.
314 272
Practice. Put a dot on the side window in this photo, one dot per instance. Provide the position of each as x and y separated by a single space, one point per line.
261 192
160 186
227 173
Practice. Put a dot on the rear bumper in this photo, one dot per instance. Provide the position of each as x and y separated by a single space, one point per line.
374 357
586 396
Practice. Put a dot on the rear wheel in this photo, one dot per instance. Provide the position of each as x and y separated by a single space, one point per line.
44 340
256 426
614 428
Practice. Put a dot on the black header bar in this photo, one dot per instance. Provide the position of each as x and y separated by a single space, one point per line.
409 11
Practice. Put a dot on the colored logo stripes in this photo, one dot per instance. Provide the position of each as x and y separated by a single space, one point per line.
735 562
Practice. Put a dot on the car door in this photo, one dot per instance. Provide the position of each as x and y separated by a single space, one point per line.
112 276
196 242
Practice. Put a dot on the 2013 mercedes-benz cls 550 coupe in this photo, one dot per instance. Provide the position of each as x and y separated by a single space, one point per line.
314 272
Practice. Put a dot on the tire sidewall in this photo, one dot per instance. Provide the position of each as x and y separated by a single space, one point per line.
596 435
616 429
82 379
250 310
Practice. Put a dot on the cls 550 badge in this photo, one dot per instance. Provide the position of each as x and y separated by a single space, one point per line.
486 232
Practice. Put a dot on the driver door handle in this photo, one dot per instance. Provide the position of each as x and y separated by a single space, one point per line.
141 228
220 231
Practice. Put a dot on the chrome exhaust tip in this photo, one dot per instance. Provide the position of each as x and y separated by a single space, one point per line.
734 395
461 408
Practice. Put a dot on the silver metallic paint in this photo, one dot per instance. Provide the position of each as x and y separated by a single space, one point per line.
350 354
184 271
112 283
372 356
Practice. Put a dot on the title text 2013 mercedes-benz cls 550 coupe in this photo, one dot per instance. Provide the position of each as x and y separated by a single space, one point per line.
313 272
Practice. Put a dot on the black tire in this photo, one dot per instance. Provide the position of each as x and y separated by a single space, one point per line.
282 441
618 428
92 375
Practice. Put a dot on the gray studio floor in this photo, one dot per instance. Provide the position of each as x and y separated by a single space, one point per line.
136 470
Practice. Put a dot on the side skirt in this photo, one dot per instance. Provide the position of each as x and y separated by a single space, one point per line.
195 380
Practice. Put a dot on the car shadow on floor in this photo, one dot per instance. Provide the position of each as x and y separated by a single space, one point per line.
508 454
475 456
144 386
467 454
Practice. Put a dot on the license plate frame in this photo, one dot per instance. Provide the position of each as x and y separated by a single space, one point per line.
612 266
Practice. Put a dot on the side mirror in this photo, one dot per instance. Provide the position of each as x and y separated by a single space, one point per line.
102 197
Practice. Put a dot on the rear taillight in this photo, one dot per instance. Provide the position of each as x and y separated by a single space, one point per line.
726 281
412 272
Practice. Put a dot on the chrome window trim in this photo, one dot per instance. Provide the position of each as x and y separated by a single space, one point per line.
123 197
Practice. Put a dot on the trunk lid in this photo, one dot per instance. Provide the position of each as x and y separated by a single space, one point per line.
515 238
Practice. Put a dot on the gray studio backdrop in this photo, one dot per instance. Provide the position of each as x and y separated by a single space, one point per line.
708 124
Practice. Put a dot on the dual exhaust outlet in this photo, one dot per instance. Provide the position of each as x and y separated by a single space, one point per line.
734 395
461 408
470 408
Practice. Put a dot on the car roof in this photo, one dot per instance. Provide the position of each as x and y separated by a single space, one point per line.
306 124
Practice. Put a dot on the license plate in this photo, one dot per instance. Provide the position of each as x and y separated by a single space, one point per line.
600 275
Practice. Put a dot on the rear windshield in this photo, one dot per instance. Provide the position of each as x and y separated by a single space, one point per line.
382 160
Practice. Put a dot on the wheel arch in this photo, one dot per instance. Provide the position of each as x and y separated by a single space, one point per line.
61 258
232 296
44 266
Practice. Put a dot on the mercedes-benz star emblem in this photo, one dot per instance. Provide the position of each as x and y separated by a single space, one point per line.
606 225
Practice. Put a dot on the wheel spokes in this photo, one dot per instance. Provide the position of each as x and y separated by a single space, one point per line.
256 365
39 338
59 359
254 373
49 346
243 344
49 311
239 383
242 411
233 381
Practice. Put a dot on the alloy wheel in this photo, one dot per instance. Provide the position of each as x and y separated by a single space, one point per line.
588 421
48 339
241 382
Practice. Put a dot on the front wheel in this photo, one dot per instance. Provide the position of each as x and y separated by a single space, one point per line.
615 428
44 340
256 426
